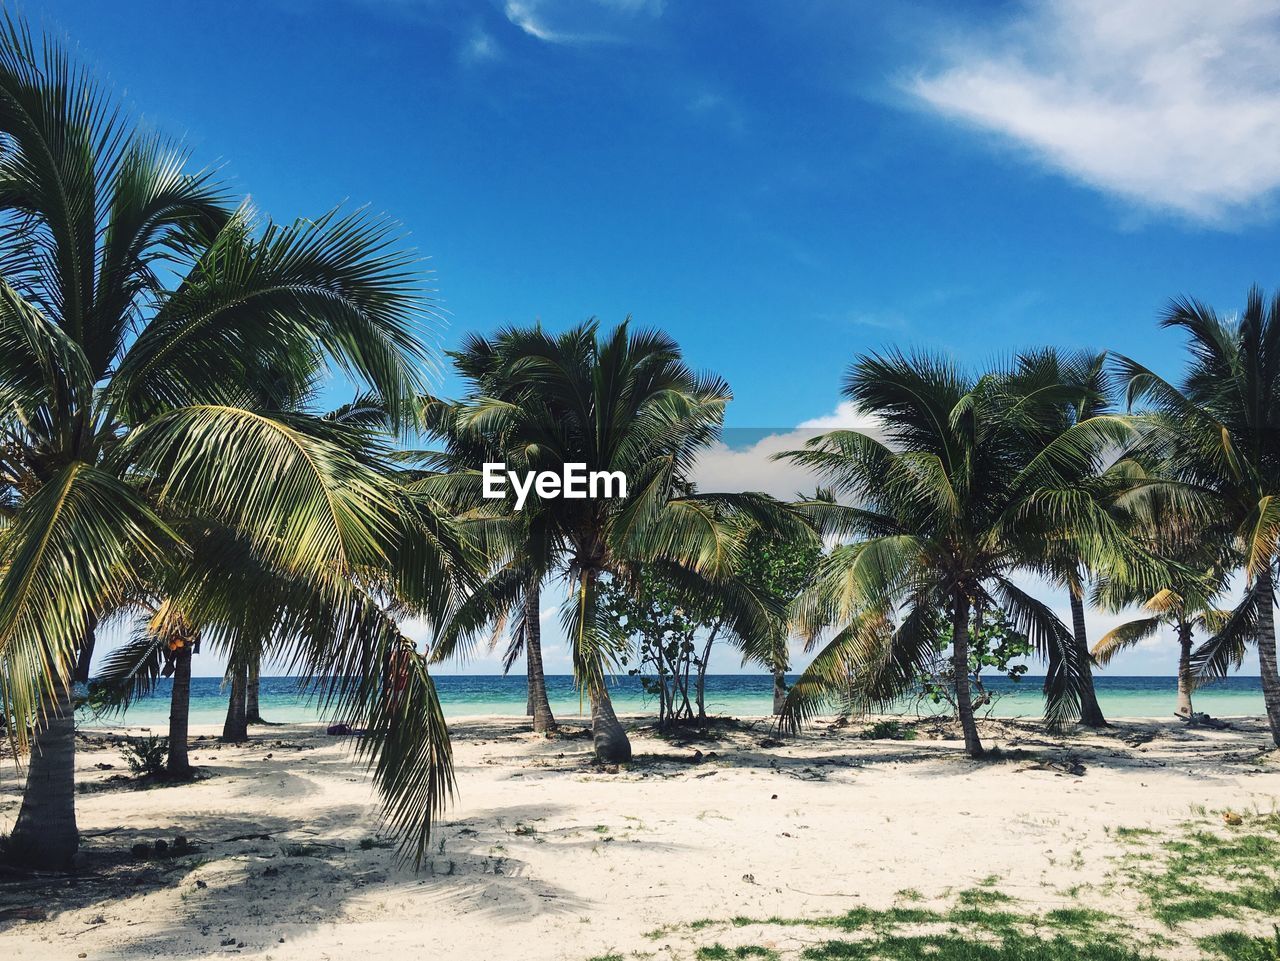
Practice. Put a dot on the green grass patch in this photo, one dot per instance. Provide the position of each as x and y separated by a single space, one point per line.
1241 947
718 952
973 897
950 947
1211 871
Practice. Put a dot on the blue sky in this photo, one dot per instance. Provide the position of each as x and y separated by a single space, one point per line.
781 186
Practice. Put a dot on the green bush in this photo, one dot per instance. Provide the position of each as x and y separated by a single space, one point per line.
887 731
146 755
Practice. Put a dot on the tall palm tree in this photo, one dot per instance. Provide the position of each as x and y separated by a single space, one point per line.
139 315
1084 374
1218 435
963 490
622 401
452 477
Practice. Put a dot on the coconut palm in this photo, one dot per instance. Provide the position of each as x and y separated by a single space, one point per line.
969 482
1218 436
622 401
1084 374
1198 557
452 477
162 646
1186 611
141 322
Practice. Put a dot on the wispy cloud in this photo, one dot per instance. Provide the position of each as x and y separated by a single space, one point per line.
579 21
479 47
1171 104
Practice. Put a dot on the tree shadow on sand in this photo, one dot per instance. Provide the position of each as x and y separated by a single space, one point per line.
251 882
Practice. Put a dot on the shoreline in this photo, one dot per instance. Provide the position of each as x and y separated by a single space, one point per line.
544 849
646 720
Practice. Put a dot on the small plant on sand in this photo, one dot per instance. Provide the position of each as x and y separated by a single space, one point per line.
1241 947
1209 872
887 731
718 952
146 755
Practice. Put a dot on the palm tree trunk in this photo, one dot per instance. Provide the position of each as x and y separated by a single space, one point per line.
45 835
236 727
1090 711
960 667
544 721
85 659
1267 655
779 689
178 765
252 713
611 743
1185 679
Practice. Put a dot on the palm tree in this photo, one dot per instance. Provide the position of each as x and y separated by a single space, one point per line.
971 480
1084 375
625 402
1218 435
1198 557
139 315
163 647
466 447
1186 612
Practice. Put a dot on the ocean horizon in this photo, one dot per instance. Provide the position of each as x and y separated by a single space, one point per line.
739 695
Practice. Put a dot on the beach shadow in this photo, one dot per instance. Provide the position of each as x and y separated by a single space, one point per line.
253 881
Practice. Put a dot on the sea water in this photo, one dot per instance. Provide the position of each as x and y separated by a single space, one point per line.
738 695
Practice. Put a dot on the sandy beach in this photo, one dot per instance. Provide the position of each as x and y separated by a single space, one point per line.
546 856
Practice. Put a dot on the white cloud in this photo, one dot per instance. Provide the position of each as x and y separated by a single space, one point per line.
846 416
748 465
578 21
1171 104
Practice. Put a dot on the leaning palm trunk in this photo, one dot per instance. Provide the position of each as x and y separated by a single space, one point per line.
611 744
178 764
539 707
1186 680
45 833
1090 712
252 712
236 727
1267 654
960 667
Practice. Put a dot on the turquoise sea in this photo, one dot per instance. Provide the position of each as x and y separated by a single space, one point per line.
740 695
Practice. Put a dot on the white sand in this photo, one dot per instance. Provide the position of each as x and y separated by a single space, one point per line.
542 856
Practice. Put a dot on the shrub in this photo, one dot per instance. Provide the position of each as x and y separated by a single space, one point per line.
146 755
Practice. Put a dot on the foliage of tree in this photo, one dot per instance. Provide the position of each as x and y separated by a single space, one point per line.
962 486
155 343
619 401
780 569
